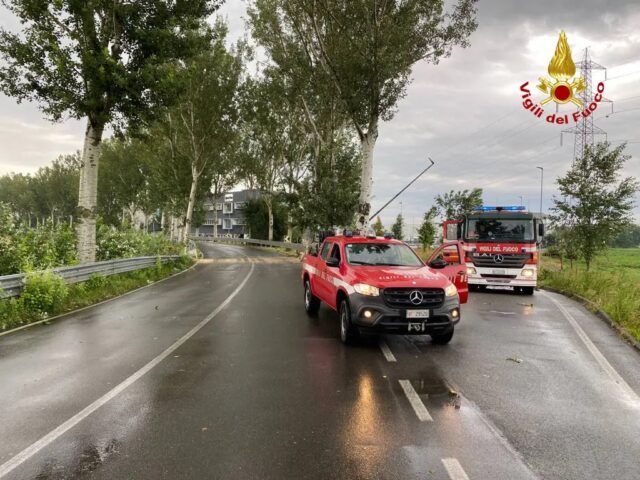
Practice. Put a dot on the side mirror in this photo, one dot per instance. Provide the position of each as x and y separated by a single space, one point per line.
437 263
333 262
312 250
541 229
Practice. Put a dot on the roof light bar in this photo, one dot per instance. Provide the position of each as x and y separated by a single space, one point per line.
505 208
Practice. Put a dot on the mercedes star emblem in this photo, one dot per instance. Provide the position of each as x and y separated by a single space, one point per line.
416 297
498 258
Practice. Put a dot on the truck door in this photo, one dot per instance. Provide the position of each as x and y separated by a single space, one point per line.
331 274
321 283
451 256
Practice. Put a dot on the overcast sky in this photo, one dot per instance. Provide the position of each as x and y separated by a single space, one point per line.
465 113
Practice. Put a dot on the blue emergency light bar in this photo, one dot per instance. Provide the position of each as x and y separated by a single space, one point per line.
506 208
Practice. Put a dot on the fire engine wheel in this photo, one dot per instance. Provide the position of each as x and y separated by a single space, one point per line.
442 338
527 290
348 333
311 302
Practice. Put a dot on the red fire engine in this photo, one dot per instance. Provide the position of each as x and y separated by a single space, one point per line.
500 245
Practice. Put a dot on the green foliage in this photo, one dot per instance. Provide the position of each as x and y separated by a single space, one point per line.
378 227
427 231
595 204
125 243
329 195
101 60
363 49
615 292
24 249
629 237
46 296
51 193
257 219
456 204
123 178
398 227
43 293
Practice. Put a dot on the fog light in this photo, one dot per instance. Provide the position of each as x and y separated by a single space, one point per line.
455 313
367 314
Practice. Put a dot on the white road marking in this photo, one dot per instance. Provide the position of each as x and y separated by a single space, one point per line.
386 351
414 400
34 448
454 469
626 390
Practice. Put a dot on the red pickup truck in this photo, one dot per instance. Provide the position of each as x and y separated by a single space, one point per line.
381 285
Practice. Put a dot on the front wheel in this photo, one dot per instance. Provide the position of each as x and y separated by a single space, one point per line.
527 290
348 333
311 302
442 338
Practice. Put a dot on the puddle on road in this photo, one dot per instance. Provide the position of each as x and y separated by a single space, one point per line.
89 460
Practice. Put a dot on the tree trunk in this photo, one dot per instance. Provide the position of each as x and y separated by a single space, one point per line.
88 194
192 201
367 145
289 228
269 202
215 219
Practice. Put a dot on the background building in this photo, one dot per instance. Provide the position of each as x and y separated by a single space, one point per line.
227 212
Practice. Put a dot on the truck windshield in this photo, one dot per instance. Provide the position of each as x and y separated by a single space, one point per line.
378 254
500 230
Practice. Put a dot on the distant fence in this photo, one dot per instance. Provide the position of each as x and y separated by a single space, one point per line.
298 247
12 285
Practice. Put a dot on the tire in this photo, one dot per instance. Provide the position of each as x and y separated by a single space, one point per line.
311 302
442 338
348 332
527 290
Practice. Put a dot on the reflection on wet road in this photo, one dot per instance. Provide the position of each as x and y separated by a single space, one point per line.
262 391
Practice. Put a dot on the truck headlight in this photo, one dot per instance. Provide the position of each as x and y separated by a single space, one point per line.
364 289
451 290
528 272
471 271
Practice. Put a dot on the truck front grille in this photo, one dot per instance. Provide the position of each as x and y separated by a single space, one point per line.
493 260
401 297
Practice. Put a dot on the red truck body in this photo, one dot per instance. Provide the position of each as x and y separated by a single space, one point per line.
385 286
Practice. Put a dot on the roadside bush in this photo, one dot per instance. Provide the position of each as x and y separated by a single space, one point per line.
24 249
43 293
128 243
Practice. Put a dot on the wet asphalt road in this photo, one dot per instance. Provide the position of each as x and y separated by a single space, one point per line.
528 388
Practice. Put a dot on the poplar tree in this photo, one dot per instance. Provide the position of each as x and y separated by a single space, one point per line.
363 50
108 62
595 203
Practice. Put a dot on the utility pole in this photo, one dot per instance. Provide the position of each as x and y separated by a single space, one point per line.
541 180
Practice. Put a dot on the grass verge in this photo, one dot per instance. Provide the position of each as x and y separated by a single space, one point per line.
44 296
613 289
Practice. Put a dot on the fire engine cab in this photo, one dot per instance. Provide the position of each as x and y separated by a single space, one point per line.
500 246
378 284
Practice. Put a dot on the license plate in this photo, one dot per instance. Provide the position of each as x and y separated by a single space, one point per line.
416 327
499 272
417 313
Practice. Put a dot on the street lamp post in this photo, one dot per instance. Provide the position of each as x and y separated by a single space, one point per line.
541 180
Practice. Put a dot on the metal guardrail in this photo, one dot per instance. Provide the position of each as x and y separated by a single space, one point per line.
298 247
12 285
